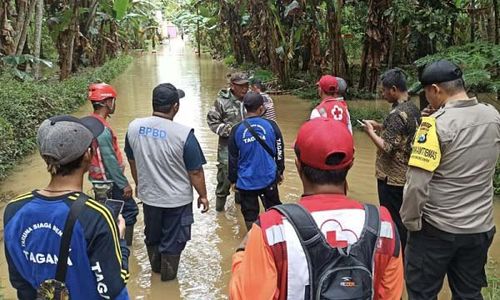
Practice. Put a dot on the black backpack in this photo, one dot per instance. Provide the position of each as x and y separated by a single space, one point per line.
336 273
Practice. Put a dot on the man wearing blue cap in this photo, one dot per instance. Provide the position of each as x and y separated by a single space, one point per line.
448 197
36 224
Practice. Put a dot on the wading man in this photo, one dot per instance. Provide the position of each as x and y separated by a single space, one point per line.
393 142
332 104
256 159
166 161
344 235
97 265
260 88
107 161
448 197
226 112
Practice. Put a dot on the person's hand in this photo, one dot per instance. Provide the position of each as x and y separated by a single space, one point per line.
280 179
121 226
368 128
233 187
376 125
203 201
127 191
429 110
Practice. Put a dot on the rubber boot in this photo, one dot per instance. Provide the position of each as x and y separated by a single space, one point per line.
154 258
129 234
169 266
220 203
248 225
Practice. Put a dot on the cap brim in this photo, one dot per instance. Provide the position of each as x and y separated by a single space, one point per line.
92 124
181 93
241 81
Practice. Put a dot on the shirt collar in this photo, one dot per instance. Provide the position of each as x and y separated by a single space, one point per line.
461 103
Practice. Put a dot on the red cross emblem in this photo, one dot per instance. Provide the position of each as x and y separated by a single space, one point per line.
337 113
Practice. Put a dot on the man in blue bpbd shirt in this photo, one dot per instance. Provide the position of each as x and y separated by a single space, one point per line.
256 159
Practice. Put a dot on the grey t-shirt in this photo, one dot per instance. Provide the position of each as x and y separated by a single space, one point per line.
164 151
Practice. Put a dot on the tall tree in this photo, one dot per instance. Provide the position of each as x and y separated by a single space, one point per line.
38 35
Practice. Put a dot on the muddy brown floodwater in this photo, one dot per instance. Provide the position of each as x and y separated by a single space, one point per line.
206 263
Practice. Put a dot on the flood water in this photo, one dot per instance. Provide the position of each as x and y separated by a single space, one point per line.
206 263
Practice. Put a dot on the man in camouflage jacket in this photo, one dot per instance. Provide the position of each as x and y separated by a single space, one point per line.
226 112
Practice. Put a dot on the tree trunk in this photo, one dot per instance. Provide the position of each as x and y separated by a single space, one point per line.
66 42
340 66
7 33
375 44
38 35
21 7
25 28
472 21
497 20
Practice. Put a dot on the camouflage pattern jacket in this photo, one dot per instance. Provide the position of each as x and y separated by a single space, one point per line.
226 112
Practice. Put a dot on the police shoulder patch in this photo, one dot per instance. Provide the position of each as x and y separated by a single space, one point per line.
426 152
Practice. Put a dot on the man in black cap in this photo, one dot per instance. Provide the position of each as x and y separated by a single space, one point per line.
448 197
166 161
226 112
256 159
35 223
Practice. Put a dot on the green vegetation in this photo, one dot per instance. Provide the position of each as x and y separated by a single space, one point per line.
492 292
23 105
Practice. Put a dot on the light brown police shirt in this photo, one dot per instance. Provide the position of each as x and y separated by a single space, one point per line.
458 196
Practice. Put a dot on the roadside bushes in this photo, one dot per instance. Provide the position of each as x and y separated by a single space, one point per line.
23 105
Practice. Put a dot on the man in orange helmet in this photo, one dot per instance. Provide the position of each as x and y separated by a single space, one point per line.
107 161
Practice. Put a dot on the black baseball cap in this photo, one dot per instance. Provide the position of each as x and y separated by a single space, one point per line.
440 71
166 94
253 100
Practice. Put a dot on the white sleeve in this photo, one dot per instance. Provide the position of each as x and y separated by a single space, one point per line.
314 114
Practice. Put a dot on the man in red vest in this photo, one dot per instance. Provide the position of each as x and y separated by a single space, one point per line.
107 161
332 104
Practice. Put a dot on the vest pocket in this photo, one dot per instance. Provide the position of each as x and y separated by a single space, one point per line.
347 283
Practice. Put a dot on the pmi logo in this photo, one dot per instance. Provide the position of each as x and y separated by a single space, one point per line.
347 282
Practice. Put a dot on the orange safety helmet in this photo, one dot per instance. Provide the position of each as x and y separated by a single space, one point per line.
101 91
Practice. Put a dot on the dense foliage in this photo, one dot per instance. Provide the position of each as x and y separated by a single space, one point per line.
23 105
356 40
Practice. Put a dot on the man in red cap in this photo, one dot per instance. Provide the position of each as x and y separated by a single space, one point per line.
107 161
327 246
332 103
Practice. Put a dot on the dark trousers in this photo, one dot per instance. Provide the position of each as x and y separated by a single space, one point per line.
391 197
130 209
250 201
168 228
431 254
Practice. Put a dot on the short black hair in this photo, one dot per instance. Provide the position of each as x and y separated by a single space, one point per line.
453 87
394 77
252 108
321 177
62 170
98 104
259 84
164 108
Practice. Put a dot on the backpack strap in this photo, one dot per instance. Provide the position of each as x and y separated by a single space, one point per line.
372 219
258 139
301 220
74 211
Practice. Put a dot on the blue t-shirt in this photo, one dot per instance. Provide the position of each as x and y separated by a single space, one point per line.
251 167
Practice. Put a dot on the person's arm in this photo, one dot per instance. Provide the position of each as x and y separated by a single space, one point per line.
392 136
24 289
110 161
108 254
415 195
280 153
391 282
194 161
215 120
131 160
233 154
254 274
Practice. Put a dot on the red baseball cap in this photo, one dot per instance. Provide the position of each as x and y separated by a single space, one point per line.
100 92
328 84
319 138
